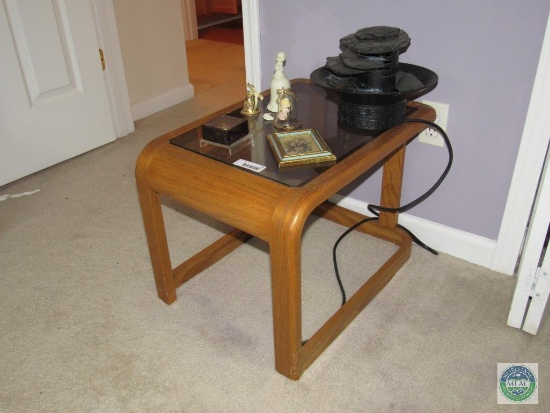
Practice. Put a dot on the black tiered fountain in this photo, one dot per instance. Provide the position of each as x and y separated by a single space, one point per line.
371 85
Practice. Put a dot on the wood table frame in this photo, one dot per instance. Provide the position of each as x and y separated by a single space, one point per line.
276 213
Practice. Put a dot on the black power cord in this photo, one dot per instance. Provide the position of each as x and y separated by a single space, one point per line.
376 209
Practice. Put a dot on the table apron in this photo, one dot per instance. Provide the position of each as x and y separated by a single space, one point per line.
235 197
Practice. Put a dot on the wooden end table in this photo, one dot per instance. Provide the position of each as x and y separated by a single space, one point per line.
273 205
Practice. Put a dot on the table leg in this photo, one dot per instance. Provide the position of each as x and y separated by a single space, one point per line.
285 253
392 181
155 231
291 357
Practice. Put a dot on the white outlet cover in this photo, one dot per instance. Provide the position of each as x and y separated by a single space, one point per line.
430 136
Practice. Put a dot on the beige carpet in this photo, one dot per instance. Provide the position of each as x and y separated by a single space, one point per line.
83 331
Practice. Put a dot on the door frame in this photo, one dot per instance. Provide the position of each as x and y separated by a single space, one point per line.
252 44
115 80
528 169
189 12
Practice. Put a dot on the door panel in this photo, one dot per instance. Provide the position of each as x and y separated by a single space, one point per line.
53 100
45 70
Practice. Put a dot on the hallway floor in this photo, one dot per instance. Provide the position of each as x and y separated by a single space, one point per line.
230 32
216 69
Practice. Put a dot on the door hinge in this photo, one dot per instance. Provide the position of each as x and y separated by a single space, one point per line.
102 58
531 281
541 283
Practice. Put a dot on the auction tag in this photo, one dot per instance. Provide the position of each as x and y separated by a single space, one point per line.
249 165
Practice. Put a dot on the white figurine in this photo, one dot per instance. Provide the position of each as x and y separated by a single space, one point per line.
279 81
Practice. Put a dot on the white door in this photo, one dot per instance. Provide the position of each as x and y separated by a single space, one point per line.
533 277
53 99
533 285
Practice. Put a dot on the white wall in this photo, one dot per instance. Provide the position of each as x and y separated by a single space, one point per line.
153 50
486 56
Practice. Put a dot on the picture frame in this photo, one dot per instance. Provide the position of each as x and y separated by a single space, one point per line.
299 147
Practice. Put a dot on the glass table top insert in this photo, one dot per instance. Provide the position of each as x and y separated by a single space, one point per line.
315 109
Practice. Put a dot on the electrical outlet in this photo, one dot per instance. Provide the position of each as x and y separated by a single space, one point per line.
430 135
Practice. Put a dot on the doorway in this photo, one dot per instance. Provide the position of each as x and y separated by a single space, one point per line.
220 21
215 53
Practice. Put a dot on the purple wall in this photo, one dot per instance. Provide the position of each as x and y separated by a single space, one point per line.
485 55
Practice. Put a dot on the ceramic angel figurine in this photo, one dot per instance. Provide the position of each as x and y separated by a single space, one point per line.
279 81
286 116
251 102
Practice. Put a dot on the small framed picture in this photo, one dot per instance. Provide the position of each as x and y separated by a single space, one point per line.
299 147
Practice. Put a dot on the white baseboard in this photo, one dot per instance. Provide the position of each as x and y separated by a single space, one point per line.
460 244
160 102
